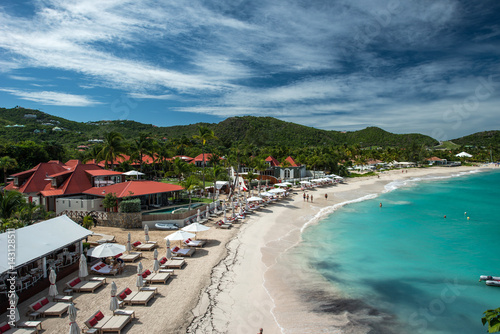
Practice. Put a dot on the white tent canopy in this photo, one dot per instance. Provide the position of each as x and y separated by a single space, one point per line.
39 240
464 155
133 173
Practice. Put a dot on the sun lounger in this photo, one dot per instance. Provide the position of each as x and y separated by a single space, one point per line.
102 268
78 285
194 243
136 297
149 246
103 323
44 307
175 262
220 224
7 329
158 278
131 257
105 238
176 251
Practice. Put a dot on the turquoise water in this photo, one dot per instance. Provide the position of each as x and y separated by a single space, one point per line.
406 259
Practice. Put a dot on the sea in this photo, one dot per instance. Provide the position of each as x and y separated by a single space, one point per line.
413 254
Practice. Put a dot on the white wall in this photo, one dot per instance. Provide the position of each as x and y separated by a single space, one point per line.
78 204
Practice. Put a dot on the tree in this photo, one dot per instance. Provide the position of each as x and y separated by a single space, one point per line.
204 134
112 148
215 173
110 201
7 163
261 166
140 147
181 168
10 202
29 213
190 184
492 318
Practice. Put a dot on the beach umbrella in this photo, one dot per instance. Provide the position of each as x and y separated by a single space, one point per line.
146 232
255 199
180 235
82 269
207 213
106 250
232 209
139 283
198 216
133 173
114 301
277 191
169 252
52 280
129 248
73 326
156 264
14 300
224 209
195 228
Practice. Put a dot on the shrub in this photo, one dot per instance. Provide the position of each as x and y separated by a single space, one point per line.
133 205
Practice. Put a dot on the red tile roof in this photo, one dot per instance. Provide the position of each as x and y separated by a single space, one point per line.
273 161
137 188
199 158
291 161
102 172
36 178
434 159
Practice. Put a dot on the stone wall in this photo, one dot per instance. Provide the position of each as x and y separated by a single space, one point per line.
123 220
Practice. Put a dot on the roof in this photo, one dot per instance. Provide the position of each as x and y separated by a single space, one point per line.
434 159
291 162
38 240
199 158
36 177
102 172
273 161
137 187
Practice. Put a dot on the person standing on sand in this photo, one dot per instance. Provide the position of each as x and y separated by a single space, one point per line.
304 197
326 196
307 197
311 198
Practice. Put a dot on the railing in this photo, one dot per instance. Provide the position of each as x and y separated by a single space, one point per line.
77 215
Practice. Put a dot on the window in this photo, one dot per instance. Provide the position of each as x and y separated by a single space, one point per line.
287 173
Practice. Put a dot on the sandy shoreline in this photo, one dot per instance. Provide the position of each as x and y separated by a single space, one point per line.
242 280
261 286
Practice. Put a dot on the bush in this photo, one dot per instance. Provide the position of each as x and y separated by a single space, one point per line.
133 205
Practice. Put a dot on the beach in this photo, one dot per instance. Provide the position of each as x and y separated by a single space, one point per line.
246 277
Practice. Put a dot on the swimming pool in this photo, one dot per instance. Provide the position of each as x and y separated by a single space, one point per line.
170 210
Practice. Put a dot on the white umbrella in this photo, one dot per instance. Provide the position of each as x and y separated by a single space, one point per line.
106 250
129 248
277 191
255 199
14 302
284 184
52 280
169 252
140 282
266 194
133 173
146 232
114 301
156 264
207 213
196 227
180 235
82 270
73 326
198 216
232 209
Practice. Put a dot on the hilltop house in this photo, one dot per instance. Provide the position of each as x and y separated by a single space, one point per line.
288 169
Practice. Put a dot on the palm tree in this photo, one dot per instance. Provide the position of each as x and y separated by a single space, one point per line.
181 144
7 163
181 168
189 184
215 173
250 176
10 202
140 147
261 166
204 134
113 147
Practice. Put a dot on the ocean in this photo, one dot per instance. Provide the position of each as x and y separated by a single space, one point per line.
417 259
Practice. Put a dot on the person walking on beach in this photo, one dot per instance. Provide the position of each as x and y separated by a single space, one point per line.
304 197
311 198
307 197
326 196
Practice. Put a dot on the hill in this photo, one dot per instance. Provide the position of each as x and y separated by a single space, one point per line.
480 139
18 124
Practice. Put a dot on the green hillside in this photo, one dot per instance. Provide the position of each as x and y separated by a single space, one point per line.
480 139
19 124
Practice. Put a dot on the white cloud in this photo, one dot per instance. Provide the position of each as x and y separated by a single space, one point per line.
152 97
52 98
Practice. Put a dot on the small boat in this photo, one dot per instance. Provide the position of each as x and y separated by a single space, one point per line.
493 283
167 226
489 278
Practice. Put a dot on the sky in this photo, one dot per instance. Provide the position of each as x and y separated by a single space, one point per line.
425 66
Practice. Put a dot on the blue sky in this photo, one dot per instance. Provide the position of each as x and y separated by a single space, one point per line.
406 66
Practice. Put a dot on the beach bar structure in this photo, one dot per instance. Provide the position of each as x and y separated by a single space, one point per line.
54 243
